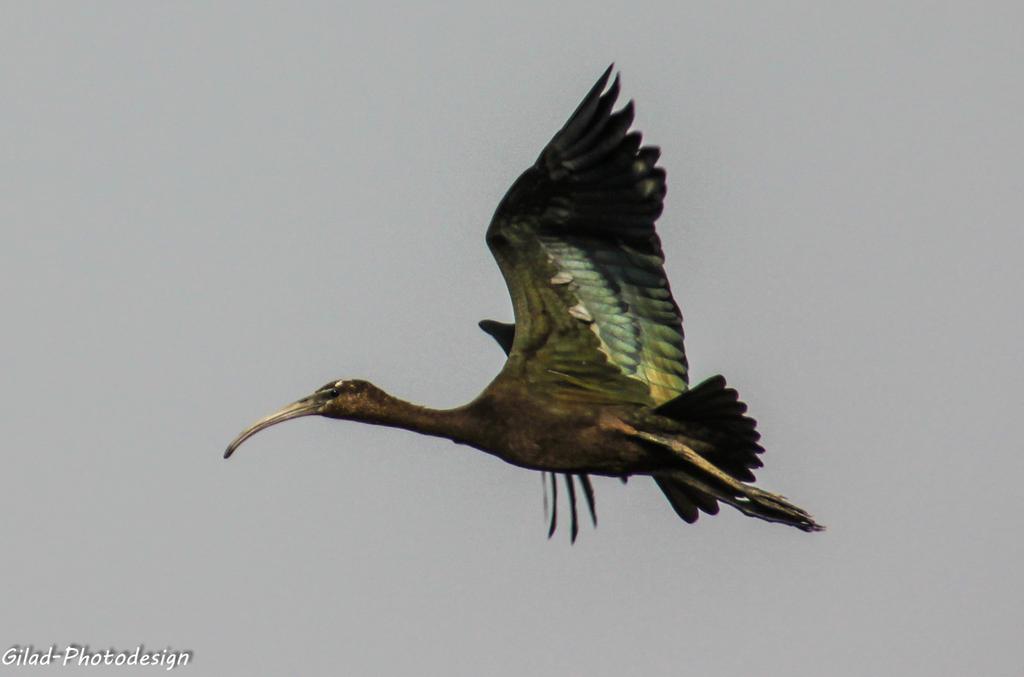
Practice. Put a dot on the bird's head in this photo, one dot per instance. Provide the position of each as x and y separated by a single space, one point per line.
351 398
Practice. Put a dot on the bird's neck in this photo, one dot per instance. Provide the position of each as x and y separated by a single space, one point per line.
388 410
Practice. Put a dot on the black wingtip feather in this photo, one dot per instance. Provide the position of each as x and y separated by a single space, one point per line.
601 119
577 123
596 152
612 135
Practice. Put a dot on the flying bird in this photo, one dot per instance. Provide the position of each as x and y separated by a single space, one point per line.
596 379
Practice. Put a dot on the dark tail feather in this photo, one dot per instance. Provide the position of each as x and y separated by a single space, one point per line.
554 504
679 498
544 489
551 506
574 522
686 500
717 416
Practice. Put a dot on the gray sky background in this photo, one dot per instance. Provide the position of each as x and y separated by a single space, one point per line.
208 210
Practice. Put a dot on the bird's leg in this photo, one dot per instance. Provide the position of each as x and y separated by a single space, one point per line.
745 498
692 457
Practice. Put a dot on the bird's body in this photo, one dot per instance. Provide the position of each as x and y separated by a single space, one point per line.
494 423
596 379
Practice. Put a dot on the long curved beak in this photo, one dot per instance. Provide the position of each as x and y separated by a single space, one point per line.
307 406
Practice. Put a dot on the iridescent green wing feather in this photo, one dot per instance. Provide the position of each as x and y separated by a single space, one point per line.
575 240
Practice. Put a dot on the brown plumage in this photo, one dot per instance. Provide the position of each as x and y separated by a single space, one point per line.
596 378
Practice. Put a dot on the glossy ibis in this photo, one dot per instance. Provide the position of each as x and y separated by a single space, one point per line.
595 382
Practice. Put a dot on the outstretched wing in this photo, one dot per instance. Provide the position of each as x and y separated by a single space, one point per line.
575 240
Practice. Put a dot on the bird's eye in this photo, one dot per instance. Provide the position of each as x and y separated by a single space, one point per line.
329 390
